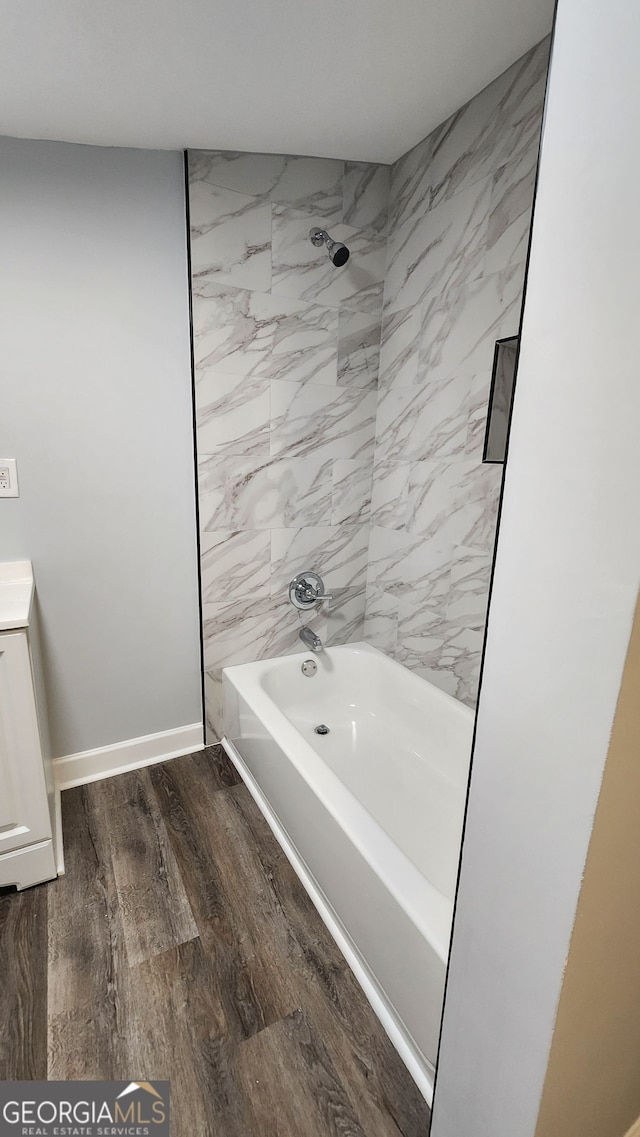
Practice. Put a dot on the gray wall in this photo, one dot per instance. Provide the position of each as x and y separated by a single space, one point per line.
287 350
459 219
564 593
96 407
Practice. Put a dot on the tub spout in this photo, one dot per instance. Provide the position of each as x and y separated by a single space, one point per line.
310 639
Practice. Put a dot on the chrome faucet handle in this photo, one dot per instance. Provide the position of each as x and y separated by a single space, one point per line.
307 589
310 593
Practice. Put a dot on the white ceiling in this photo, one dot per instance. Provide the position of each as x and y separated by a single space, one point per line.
360 79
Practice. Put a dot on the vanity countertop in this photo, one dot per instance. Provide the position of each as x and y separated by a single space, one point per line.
16 594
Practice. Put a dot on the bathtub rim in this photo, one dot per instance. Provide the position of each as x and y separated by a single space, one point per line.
428 908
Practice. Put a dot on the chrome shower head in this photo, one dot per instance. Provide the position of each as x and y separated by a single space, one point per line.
338 253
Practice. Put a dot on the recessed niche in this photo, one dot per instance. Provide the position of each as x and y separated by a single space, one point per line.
500 399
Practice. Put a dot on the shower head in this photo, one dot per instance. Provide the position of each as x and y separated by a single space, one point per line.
338 252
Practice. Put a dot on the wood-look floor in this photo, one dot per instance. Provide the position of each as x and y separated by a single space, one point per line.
181 945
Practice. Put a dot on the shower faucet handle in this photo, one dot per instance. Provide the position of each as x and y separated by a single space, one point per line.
307 589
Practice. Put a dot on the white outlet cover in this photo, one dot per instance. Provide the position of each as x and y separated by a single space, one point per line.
9 478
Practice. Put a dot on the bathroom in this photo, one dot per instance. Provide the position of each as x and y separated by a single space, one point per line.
257 406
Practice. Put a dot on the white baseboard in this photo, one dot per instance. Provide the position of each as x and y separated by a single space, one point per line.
105 761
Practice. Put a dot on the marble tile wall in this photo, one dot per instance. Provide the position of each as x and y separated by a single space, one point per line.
341 412
287 354
459 218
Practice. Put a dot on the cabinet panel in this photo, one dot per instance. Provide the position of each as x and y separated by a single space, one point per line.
24 812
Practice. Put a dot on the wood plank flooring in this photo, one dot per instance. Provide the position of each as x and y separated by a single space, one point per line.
181 945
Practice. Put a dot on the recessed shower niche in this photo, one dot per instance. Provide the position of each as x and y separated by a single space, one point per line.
505 359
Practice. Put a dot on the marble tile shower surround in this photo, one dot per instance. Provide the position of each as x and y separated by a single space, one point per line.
341 413
459 219
287 356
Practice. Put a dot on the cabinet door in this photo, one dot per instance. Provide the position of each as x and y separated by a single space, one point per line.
24 811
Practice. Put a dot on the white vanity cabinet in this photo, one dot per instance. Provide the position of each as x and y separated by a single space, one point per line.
27 794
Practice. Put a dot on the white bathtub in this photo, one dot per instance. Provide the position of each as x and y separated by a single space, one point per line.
370 815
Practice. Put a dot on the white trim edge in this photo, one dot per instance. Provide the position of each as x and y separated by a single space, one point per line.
106 761
58 846
421 1071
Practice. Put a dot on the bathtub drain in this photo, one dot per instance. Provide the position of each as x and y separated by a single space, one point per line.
321 729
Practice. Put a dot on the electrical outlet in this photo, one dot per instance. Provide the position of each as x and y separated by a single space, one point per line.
8 478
